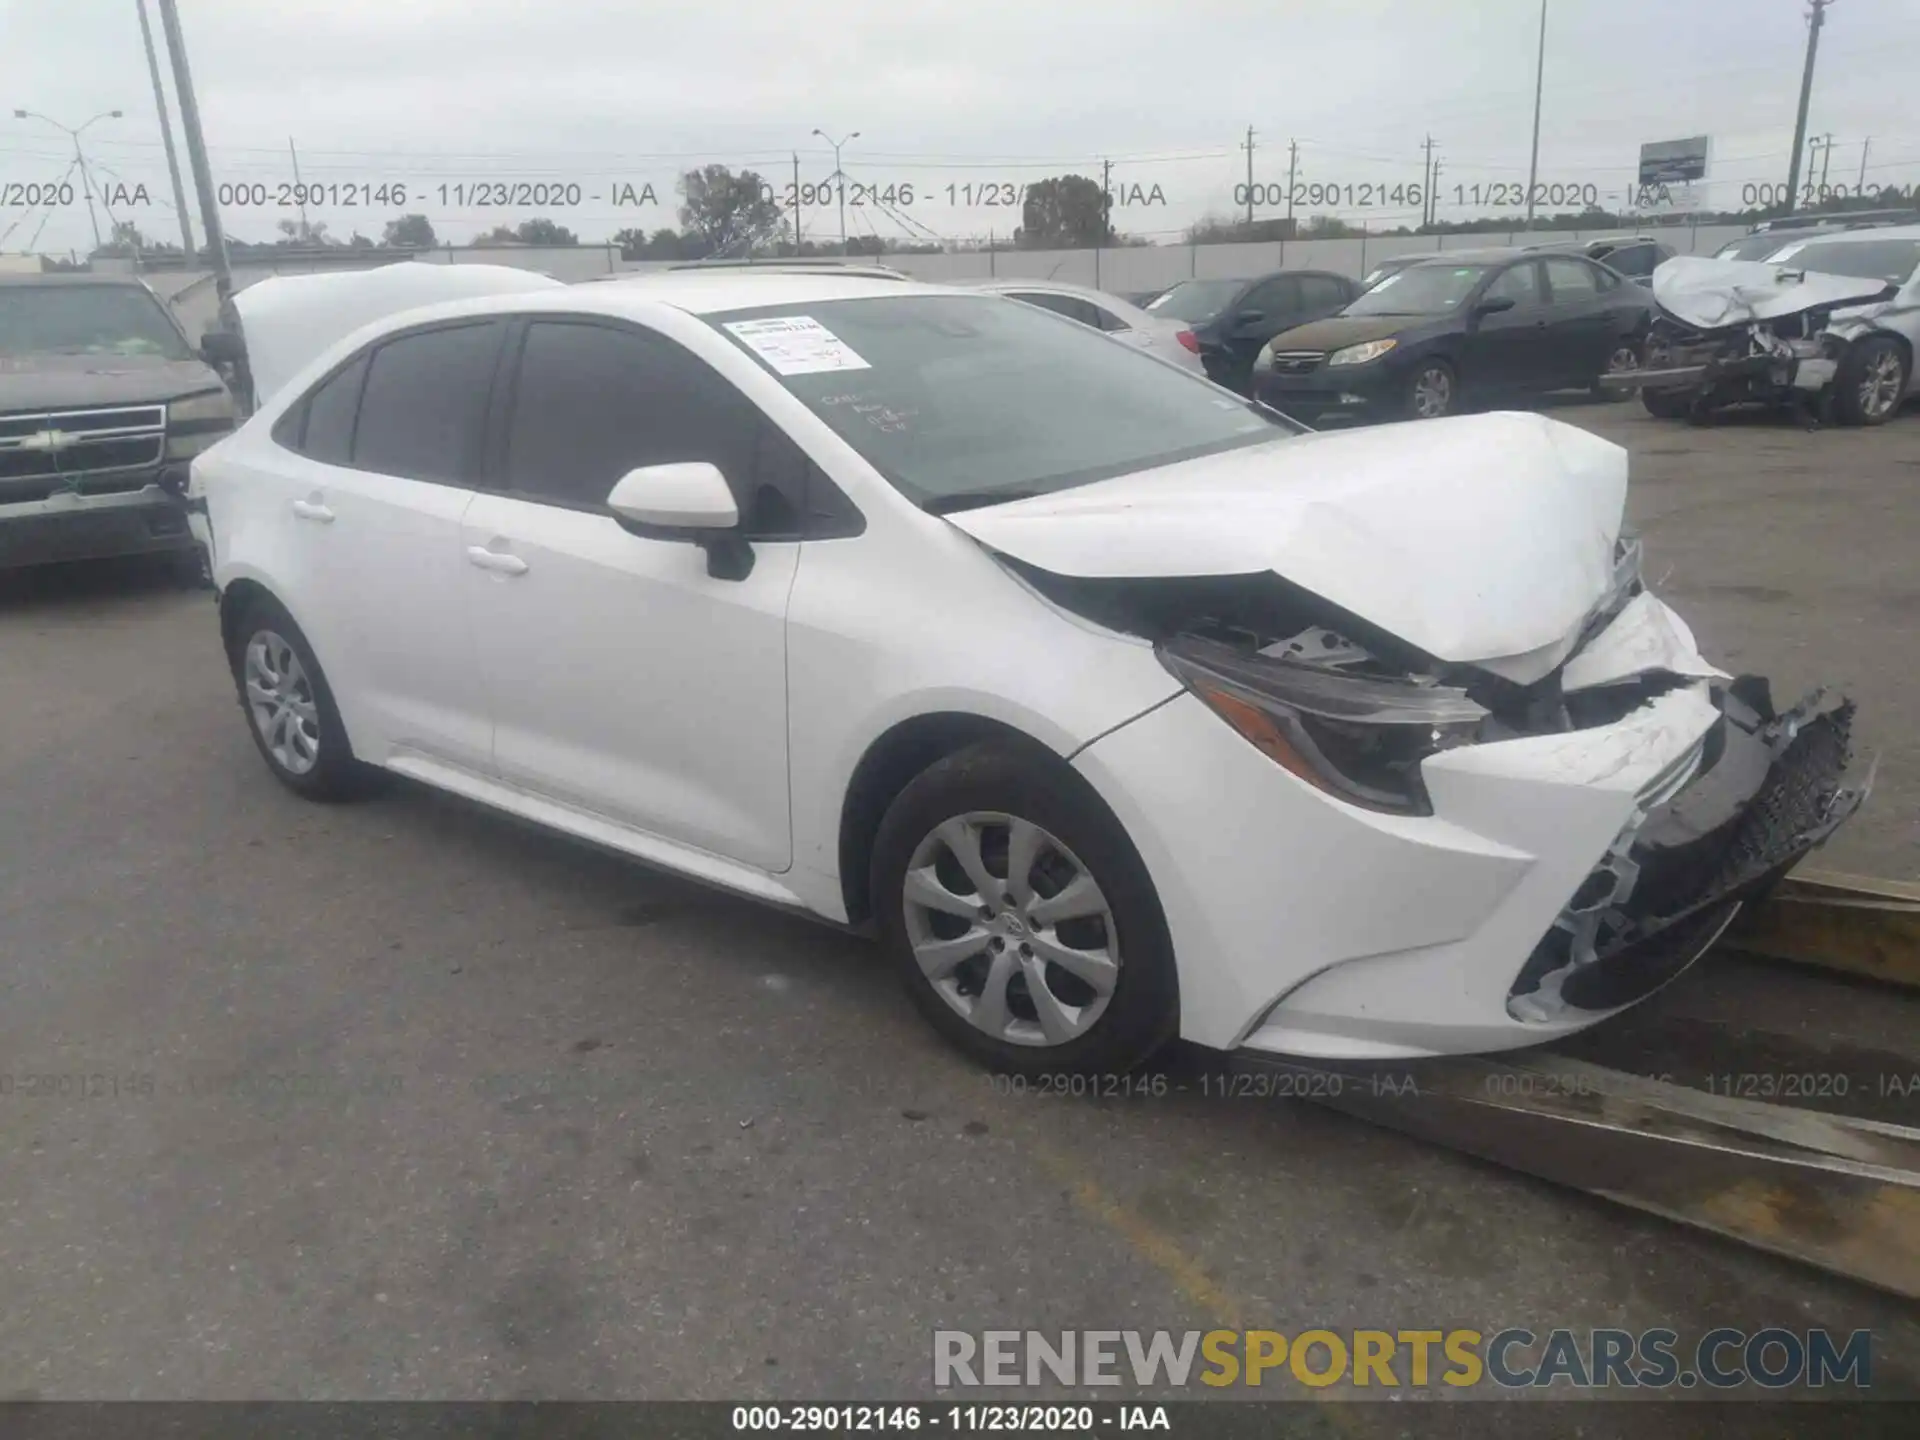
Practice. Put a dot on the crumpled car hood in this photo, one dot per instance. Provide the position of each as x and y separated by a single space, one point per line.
289 320
1709 294
1474 539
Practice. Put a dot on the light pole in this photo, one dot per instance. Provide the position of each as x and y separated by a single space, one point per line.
839 180
1539 80
86 179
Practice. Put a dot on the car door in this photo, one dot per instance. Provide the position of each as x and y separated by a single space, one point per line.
1269 307
1580 322
627 682
387 450
1503 350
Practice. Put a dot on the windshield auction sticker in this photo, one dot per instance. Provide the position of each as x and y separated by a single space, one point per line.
797 345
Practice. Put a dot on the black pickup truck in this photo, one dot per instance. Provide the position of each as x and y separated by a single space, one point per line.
103 402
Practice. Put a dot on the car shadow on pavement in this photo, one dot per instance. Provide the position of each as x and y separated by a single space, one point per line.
87 581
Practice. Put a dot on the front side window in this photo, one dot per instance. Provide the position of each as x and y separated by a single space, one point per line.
87 320
1520 284
423 410
594 401
1274 297
1196 301
965 399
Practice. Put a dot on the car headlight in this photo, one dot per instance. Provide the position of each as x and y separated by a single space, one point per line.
196 421
1358 738
1360 354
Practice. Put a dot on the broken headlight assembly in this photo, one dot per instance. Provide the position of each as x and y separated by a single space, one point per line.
1359 738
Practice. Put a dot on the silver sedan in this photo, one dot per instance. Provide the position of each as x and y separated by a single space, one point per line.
1170 340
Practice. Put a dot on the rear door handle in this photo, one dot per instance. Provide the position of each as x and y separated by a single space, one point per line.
497 561
313 510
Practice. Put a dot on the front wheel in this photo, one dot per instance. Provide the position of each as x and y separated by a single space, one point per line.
1431 390
290 710
1870 383
1021 919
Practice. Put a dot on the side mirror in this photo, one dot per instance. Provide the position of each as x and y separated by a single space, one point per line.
222 347
1493 305
688 501
1249 317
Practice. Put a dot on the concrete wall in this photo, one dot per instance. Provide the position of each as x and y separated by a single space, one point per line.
1120 270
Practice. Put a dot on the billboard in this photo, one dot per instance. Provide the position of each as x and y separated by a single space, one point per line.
1674 162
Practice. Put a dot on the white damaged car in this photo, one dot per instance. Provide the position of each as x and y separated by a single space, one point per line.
1119 708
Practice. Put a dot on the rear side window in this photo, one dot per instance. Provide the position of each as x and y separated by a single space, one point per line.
423 411
1273 297
593 402
1323 292
328 436
1572 280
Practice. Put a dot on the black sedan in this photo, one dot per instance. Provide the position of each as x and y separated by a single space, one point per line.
1234 319
1434 336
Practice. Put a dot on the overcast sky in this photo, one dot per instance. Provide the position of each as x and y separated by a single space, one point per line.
602 93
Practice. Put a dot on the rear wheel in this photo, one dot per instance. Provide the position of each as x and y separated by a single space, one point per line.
1871 380
1624 356
1431 390
290 711
1021 919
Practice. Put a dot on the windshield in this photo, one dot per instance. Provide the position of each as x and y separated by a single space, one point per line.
86 320
1431 289
1197 300
959 399
1889 260
1386 268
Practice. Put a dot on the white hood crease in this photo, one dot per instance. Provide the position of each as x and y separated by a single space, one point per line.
290 320
1474 539
1709 294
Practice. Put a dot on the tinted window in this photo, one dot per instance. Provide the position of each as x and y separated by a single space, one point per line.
593 402
1322 292
1273 297
1521 284
1070 306
422 412
328 436
1572 281
1636 260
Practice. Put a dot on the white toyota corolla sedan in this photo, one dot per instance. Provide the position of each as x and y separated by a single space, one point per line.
1120 708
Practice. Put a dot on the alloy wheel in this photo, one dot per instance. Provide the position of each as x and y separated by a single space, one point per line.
1432 393
1880 385
1010 929
1623 358
280 699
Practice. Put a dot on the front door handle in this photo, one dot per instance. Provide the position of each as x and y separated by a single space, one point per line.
497 561
313 510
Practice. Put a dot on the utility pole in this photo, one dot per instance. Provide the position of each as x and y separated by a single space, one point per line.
1539 80
299 190
197 152
79 157
1816 17
1293 168
1437 164
1426 185
796 202
1106 210
1865 145
166 137
839 180
1826 158
1248 147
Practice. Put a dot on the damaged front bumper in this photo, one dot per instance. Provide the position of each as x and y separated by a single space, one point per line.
1562 873
1767 789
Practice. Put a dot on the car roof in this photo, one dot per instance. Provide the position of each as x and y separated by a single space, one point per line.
1484 256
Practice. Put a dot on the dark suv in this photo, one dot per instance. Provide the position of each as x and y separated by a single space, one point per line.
1233 319
103 401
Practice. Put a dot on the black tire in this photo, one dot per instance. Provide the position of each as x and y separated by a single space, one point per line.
1624 355
1426 374
334 774
1667 404
1143 1009
1875 354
